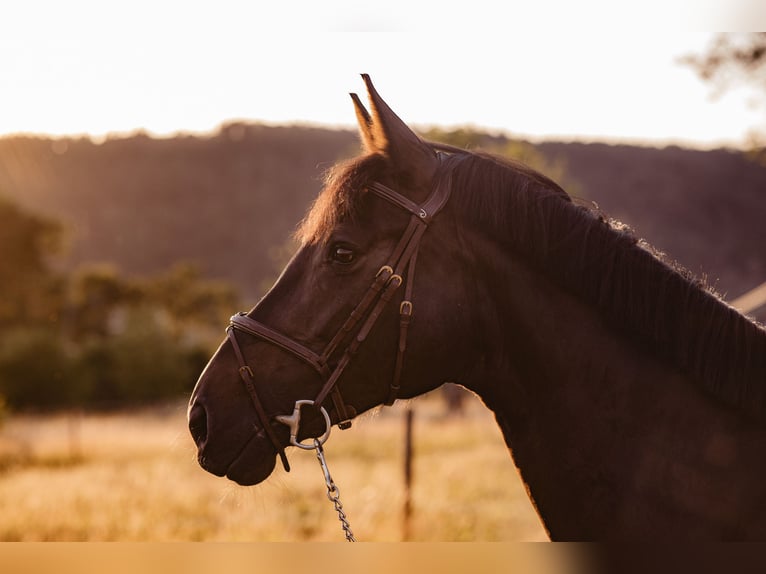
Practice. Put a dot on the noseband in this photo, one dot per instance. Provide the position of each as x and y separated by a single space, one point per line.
400 264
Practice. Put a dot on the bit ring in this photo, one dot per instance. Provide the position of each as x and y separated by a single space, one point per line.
293 421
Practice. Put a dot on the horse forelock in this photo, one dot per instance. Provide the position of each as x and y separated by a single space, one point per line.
344 184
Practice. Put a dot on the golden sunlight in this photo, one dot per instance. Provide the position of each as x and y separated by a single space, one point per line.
86 68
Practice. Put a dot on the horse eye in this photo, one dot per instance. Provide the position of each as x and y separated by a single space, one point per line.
342 255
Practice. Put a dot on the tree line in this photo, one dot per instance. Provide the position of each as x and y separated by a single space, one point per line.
94 337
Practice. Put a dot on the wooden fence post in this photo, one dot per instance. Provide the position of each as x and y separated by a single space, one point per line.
407 510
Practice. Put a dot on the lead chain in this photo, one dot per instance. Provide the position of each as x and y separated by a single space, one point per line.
333 493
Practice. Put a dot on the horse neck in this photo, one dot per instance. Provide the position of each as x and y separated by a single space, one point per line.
594 423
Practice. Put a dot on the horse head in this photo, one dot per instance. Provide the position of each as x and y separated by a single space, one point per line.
347 326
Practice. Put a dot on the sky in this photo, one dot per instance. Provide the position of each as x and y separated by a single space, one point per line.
543 70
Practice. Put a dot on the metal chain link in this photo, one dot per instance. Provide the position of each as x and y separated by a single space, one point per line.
333 493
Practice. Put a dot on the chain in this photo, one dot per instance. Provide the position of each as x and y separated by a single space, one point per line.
333 493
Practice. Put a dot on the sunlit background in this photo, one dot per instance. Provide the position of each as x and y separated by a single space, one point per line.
149 188
94 67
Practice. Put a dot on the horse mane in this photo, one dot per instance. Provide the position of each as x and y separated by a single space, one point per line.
636 289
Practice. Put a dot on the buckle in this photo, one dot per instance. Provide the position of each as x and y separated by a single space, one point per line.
385 269
395 281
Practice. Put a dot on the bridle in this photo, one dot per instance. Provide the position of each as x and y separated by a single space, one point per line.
400 265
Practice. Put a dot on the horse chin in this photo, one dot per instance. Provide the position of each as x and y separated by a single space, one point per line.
250 467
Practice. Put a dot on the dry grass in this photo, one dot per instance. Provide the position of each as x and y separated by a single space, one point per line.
134 477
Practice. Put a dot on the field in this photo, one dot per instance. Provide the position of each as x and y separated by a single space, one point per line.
133 476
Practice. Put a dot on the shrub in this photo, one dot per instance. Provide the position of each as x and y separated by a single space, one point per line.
140 364
35 369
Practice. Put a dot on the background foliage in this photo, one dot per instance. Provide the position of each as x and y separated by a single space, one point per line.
93 337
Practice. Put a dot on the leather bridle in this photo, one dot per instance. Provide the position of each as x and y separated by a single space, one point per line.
400 265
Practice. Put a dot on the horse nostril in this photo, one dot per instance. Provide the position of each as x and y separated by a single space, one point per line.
198 423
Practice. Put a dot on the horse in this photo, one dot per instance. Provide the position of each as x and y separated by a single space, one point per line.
630 396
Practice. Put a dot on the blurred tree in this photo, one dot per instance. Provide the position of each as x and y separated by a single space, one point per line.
3 411
96 337
137 365
35 368
96 295
732 59
145 340
29 290
32 359
735 59
189 300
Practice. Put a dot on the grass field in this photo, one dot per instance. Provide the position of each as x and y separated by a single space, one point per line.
133 477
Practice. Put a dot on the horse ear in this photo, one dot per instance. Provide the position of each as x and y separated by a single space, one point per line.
365 125
385 133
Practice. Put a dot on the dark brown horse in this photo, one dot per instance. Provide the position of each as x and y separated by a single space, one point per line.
632 398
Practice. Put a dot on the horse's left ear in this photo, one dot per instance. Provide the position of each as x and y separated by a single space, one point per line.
385 133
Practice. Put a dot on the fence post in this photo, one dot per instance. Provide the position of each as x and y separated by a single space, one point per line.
407 510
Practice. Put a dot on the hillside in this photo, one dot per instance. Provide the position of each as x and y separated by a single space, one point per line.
230 201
